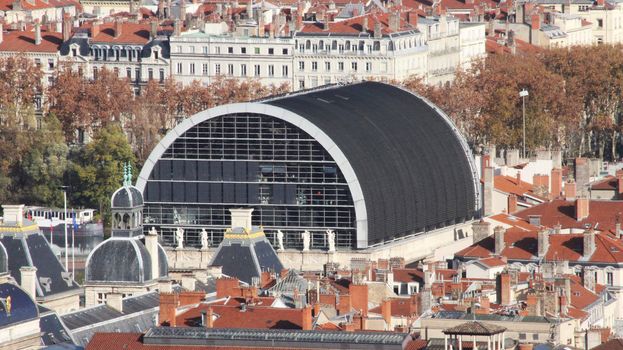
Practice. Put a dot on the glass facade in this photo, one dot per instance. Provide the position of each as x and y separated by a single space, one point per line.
249 160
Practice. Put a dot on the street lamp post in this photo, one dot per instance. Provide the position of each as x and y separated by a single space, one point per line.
64 188
523 93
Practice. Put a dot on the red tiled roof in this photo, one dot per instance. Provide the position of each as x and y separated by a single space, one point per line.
509 185
131 33
608 183
493 262
560 211
493 47
7 5
408 275
355 25
522 245
19 41
259 317
401 307
513 221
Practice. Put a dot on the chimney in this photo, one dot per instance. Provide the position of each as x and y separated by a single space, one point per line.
518 178
67 26
165 285
344 306
412 18
487 206
13 214
37 32
512 203
95 29
306 314
364 25
168 305
378 33
115 301
225 285
151 243
581 208
503 288
153 29
570 190
480 230
414 304
28 275
325 23
588 240
582 175
209 318
535 21
188 282
542 242
556 183
588 279
386 311
118 26
499 231
601 2
1 33
260 30
177 29
359 297
394 21
617 226
241 218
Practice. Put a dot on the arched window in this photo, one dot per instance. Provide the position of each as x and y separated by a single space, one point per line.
126 221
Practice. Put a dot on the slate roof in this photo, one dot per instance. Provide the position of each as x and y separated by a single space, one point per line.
291 282
390 134
127 197
23 308
32 249
119 259
53 331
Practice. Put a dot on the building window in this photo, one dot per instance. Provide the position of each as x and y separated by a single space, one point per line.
50 63
314 66
600 23
128 73
179 68
217 69
243 50
257 70
95 73
301 84
205 69
271 70
137 73
284 71
179 49
191 68
368 66
161 75
522 336
205 50
192 49
327 66
340 66
301 65
230 50
353 66
101 298
243 70
218 50
150 74
257 50
609 278
230 69
535 336
284 51
271 51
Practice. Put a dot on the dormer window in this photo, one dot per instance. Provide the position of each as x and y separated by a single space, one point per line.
74 52
156 54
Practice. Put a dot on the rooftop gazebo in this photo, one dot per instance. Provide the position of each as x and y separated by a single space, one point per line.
477 330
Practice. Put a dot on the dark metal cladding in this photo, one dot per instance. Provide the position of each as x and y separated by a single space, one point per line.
22 306
267 258
412 168
119 260
237 261
127 197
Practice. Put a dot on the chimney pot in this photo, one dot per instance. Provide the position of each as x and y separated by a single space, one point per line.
582 207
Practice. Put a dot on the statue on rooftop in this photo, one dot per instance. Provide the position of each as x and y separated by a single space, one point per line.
179 237
280 240
306 240
331 240
204 239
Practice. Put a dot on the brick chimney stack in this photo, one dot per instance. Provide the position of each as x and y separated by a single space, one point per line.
394 21
168 305
617 226
344 305
512 203
542 242
581 208
386 311
177 27
306 314
67 26
556 183
225 285
503 288
588 246
359 297
153 29
499 232
480 230
378 33
1 33
570 190
37 32
487 206
209 318
364 25
95 29
118 26
536 21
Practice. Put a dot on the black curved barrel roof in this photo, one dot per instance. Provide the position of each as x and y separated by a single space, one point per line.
413 171
119 260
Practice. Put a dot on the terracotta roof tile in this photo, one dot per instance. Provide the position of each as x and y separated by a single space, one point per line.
259 317
513 221
408 275
608 183
355 25
19 41
131 33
